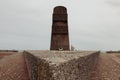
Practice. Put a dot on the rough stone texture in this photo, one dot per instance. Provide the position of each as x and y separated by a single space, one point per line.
107 68
60 33
31 62
13 67
65 65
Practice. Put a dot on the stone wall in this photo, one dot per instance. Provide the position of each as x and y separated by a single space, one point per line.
44 71
31 62
74 69
48 65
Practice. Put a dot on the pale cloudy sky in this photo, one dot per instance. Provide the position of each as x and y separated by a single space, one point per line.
93 24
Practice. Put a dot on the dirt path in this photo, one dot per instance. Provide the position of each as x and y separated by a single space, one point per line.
107 68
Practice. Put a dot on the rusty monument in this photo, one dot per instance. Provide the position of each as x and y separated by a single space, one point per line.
60 33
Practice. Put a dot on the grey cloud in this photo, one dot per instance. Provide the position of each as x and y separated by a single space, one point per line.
26 24
115 3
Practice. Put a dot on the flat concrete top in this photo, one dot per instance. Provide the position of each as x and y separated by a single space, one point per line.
57 57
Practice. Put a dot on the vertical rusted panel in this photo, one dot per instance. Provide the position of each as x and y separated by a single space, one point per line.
60 33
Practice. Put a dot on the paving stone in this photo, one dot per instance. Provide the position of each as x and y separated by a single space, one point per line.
13 68
107 68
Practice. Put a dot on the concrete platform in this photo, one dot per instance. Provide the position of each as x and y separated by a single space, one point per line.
58 57
63 65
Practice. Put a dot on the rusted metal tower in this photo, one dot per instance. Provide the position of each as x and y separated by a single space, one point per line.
60 33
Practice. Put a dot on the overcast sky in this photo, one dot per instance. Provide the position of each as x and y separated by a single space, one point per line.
93 24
